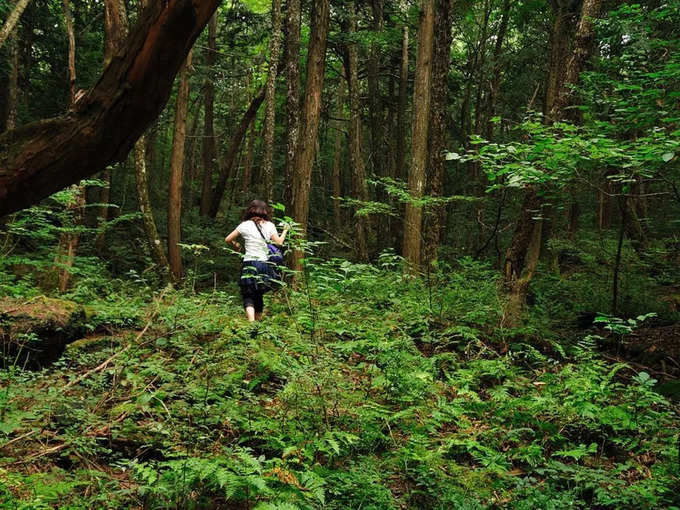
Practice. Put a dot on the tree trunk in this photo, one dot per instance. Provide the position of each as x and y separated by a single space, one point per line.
68 242
292 63
495 84
43 157
176 169
583 45
115 28
306 147
155 247
378 153
421 113
270 103
12 20
209 150
337 155
560 37
521 259
402 104
232 153
518 272
248 164
115 33
13 83
359 189
436 217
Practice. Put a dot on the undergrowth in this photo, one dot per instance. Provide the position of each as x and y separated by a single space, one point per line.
363 389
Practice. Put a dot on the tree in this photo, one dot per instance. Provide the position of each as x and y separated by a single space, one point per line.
421 115
359 189
68 241
522 256
438 139
45 156
270 103
12 20
115 32
306 148
155 246
292 65
232 153
176 170
337 155
209 148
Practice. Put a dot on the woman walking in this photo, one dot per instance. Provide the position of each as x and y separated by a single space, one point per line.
257 274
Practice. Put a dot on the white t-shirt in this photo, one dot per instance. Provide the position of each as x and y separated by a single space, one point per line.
256 247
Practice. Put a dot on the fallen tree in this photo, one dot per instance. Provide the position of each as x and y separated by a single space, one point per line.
43 157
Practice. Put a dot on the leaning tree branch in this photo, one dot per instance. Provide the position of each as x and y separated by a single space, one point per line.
41 158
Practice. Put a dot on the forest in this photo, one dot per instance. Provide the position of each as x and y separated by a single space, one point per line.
477 204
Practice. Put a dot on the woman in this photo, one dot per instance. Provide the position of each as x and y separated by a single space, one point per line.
256 229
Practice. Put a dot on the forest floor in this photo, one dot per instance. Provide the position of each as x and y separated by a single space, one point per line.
365 389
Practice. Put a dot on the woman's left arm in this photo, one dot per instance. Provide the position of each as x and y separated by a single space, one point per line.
282 238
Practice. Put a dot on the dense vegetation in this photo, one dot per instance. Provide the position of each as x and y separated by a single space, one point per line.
482 302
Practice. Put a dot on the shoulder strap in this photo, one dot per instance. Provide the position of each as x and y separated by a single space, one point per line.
260 231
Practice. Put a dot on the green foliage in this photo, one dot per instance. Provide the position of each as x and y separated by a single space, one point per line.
364 388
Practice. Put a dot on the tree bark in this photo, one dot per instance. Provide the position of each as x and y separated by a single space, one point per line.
115 33
583 45
232 153
246 178
292 63
209 150
68 241
12 20
115 28
560 37
270 103
402 104
359 189
307 141
13 83
155 247
375 99
421 113
43 157
438 139
518 272
337 155
176 170
495 84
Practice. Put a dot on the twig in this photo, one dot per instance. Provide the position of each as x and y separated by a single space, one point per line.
23 436
105 363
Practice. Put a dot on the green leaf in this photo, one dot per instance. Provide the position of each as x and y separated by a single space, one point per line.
668 156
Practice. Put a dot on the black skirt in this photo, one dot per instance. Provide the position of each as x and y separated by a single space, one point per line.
259 276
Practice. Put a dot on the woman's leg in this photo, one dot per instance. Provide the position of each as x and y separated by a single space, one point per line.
259 305
249 303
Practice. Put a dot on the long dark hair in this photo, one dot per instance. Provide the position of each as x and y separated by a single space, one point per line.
257 210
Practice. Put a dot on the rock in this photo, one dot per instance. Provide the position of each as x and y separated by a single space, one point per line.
34 332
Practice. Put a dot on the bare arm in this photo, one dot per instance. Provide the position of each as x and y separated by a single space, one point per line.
231 239
282 238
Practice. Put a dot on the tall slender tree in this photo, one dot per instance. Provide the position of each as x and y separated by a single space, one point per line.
338 124
421 116
270 103
12 20
209 146
359 189
438 140
68 242
307 141
292 64
176 170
